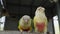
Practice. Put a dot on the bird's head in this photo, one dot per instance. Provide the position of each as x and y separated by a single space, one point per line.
40 10
26 19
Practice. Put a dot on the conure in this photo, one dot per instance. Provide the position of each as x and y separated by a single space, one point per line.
40 20
25 23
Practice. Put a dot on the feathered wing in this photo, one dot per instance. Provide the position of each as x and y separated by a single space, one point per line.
46 25
19 24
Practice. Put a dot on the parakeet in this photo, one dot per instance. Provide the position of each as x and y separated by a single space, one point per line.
25 23
40 20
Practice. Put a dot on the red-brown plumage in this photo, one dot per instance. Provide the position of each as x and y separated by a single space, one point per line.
40 26
25 29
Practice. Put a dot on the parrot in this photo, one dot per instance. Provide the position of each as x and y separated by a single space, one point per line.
40 20
25 24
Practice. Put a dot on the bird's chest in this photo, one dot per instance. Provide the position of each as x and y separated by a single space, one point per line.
25 26
40 19
40 26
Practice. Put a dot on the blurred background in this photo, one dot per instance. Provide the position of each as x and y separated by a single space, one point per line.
15 9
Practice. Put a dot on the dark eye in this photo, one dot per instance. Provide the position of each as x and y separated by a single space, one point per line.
39 9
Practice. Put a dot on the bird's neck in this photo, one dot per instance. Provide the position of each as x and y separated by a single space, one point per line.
40 14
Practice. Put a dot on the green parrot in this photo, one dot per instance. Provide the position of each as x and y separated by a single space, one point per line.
25 24
40 20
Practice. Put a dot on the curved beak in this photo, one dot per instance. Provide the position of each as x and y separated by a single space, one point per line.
26 21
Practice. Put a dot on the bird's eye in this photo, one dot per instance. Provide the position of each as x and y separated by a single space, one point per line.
39 9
